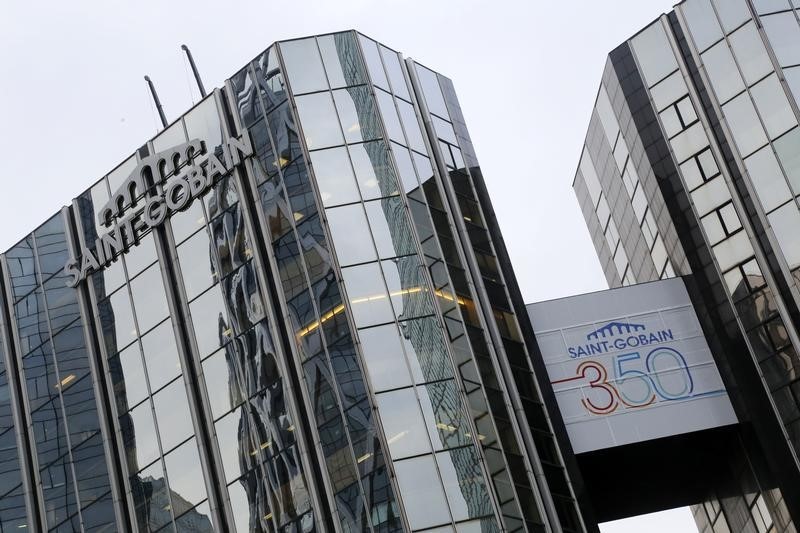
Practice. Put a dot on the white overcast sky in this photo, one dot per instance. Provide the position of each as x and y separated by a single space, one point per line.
73 103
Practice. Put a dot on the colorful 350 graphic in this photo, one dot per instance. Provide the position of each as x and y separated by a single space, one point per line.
635 382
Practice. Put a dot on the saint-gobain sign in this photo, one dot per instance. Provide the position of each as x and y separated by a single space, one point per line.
186 171
630 364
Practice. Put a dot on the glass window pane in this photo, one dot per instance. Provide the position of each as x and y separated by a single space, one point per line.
368 296
391 61
707 164
139 257
197 266
127 374
714 230
785 223
334 176
463 483
140 441
150 495
732 13
161 355
390 118
270 79
722 72
702 22
303 66
689 141
203 123
210 321
224 391
444 130
773 106
733 250
187 222
421 492
172 136
788 150
185 474
350 234
784 36
341 58
411 125
767 179
444 415
374 64
432 91
403 423
654 53
230 447
149 298
750 53
670 121
425 349
770 6
424 168
318 120
405 168
744 124
390 228
373 169
357 113
172 413
668 91
383 353
121 172
116 317
108 279
691 174
407 287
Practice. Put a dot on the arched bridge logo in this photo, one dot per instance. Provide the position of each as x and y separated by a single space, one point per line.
155 167
615 328
616 336
162 184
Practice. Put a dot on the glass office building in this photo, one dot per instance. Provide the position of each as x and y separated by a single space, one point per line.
691 167
289 311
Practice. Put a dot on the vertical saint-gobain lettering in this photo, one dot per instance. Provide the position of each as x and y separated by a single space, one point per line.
194 178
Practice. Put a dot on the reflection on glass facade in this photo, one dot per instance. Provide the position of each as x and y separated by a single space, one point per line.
301 319
699 113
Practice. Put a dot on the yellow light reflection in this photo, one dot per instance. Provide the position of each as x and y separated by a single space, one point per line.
66 381
448 296
447 427
315 324
363 458
397 437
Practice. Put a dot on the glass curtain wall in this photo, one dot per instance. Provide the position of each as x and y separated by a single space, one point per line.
72 480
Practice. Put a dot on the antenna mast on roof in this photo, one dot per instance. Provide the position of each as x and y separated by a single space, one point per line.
194 70
157 101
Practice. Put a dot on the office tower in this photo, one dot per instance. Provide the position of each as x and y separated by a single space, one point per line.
291 310
690 167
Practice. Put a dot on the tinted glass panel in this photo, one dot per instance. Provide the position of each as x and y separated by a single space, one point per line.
319 121
303 66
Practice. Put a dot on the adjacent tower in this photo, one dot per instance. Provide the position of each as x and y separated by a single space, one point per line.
690 167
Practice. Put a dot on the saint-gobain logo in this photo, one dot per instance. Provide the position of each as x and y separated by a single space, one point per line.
186 171
614 328
619 336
